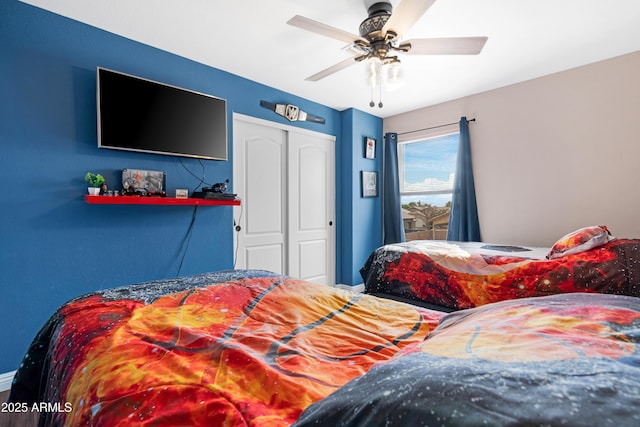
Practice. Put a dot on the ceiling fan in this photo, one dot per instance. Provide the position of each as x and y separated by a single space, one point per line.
379 41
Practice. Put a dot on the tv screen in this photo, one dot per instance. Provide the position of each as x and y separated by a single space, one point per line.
137 114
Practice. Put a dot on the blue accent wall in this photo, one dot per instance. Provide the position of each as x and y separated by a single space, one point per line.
55 246
361 217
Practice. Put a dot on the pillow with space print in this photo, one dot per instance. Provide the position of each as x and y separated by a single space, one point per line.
580 240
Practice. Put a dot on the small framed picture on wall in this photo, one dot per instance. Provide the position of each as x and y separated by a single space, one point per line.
369 148
369 184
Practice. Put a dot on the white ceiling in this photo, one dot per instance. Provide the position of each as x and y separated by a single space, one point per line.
250 38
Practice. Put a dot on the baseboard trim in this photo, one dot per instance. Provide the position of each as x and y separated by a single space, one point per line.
6 380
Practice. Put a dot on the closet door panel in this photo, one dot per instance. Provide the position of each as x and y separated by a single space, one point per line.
260 180
311 207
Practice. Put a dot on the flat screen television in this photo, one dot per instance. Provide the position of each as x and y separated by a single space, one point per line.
137 114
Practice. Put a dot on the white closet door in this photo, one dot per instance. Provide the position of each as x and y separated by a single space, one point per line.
260 178
286 180
311 208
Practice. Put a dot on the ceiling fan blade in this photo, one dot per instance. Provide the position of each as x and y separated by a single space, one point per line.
324 29
405 15
447 46
333 69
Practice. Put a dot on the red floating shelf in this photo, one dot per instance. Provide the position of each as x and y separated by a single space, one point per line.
172 201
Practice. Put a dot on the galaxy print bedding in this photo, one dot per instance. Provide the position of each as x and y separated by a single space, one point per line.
456 275
561 360
237 348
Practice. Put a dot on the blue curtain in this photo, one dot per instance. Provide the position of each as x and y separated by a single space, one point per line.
392 225
463 220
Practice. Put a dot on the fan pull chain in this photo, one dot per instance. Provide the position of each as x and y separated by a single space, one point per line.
372 103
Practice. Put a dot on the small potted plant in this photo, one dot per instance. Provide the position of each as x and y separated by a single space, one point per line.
94 181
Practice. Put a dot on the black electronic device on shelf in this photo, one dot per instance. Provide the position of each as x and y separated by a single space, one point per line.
215 192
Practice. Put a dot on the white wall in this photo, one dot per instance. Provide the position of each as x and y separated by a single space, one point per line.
552 154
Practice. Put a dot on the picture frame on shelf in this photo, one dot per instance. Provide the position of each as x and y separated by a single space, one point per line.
369 183
369 148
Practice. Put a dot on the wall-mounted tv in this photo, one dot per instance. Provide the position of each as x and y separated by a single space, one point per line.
137 114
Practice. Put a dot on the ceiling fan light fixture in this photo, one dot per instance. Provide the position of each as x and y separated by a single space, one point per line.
393 75
374 71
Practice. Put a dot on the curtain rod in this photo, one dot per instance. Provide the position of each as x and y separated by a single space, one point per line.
435 127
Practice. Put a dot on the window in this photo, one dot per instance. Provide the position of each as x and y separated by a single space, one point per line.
427 170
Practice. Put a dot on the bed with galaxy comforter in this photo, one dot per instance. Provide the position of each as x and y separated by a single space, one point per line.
229 348
252 348
562 360
458 275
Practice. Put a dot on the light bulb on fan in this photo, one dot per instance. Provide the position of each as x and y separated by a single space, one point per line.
374 71
393 75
